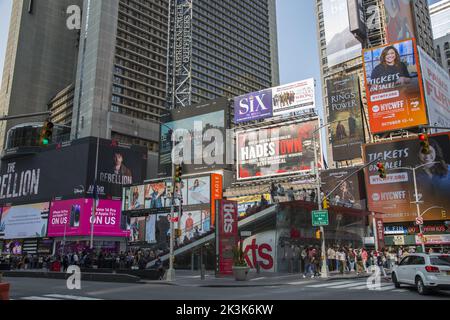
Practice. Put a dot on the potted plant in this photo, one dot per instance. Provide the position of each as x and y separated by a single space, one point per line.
240 267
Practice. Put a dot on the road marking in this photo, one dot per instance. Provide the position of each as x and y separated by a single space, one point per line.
38 298
62 296
300 282
256 279
329 284
347 285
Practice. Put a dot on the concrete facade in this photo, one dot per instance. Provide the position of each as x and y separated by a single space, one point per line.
40 58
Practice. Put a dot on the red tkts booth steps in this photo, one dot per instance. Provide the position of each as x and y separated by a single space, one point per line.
4 291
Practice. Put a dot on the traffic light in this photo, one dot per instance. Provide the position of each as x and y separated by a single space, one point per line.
178 173
325 203
318 234
425 143
381 170
46 133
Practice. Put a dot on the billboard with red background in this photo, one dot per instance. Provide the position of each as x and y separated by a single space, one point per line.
227 235
73 218
275 151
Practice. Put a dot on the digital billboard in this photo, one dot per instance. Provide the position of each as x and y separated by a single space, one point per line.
341 44
118 165
344 105
394 87
351 193
436 82
399 20
199 138
66 171
275 151
73 218
22 222
395 196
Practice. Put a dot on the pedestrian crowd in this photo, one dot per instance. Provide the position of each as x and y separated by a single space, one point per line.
136 259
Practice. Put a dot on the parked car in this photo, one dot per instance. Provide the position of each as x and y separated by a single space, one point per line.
427 272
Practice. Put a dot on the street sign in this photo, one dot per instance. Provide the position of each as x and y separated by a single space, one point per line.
419 221
320 218
246 234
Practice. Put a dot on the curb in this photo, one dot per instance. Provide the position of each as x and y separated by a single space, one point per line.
95 277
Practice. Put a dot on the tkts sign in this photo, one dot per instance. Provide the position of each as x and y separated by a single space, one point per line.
226 235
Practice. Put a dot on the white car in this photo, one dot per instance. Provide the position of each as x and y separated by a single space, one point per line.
427 272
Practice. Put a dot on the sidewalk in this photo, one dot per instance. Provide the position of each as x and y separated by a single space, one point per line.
185 278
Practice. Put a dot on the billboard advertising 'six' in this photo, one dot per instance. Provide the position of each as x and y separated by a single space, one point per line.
394 87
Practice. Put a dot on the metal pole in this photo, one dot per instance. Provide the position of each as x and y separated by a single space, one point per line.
324 271
375 231
29 115
418 207
171 271
94 205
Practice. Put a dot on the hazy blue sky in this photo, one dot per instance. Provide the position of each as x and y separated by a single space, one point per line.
297 38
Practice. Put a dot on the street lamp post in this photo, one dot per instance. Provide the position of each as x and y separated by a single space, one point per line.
416 192
171 271
324 271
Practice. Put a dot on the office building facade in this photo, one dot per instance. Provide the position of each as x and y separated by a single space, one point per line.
440 21
220 48
40 59
121 71
350 63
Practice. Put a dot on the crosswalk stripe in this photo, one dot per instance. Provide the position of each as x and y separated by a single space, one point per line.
256 279
329 284
347 285
62 296
38 298
295 283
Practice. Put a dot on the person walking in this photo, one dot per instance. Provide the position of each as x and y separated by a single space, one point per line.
364 256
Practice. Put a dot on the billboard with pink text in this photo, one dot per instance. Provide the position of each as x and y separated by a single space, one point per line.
73 218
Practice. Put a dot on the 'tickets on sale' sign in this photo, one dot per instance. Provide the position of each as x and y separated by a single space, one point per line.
394 87
73 218
227 241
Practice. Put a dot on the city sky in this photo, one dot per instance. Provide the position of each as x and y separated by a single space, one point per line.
297 39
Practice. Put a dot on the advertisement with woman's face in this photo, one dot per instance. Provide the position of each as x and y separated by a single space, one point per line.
198 191
394 87
395 195
136 201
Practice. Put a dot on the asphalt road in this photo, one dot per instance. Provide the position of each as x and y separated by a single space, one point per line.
355 289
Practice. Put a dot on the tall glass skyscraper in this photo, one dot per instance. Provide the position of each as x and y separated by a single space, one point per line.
220 48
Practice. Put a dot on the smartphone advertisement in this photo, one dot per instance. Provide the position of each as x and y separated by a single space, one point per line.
73 218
